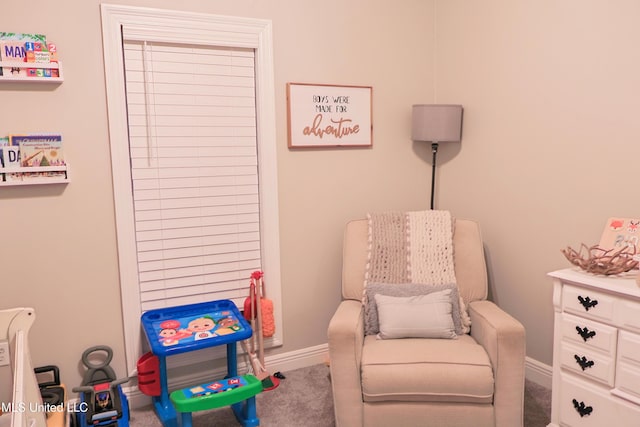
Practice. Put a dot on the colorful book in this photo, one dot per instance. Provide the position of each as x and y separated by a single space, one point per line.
43 176
13 176
24 37
13 51
3 143
10 158
40 150
53 51
37 52
12 46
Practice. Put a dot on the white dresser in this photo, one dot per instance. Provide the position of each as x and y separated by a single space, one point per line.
596 350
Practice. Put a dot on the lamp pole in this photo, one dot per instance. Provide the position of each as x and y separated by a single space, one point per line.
434 150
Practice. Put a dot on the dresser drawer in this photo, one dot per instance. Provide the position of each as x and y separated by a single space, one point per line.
628 313
628 382
628 365
629 346
589 333
588 303
583 404
589 364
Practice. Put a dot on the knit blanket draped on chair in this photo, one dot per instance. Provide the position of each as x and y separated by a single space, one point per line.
411 247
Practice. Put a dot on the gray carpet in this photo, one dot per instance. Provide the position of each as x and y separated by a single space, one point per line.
304 399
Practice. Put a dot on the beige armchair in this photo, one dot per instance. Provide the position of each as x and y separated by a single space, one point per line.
475 380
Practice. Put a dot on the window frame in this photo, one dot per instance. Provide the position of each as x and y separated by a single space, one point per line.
190 28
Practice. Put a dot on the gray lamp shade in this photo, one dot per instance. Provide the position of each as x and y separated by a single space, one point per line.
436 123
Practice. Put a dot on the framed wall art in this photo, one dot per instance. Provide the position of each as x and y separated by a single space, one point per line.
329 116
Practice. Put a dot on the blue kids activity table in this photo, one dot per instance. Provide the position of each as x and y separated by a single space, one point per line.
181 329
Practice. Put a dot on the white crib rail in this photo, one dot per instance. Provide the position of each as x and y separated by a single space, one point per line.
27 402
18 418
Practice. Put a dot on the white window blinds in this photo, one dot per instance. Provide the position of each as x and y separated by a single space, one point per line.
194 170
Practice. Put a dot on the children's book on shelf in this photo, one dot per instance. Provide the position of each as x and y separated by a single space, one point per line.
29 48
13 51
9 157
39 150
13 176
37 52
24 37
4 141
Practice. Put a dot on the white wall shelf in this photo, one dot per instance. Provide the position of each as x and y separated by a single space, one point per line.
33 175
51 65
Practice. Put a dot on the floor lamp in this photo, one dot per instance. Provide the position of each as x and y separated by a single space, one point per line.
436 123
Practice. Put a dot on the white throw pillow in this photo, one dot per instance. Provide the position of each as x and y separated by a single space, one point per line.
407 290
422 316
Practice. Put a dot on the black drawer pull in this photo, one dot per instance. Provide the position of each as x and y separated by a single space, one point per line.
587 303
583 362
585 333
582 408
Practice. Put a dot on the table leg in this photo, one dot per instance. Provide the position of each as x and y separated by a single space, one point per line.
162 404
186 419
232 359
246 413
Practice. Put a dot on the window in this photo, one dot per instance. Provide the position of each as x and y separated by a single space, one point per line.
194 171
192 129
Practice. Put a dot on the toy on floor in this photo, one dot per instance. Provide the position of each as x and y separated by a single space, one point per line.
181 329
254 346
53 395
258 301
101 393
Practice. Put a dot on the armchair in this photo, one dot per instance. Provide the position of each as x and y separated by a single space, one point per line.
475 380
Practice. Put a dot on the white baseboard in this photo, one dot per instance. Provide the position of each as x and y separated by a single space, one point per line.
298 359
279 362
538 372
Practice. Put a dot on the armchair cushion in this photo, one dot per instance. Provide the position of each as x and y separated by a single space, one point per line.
426 370
371 322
